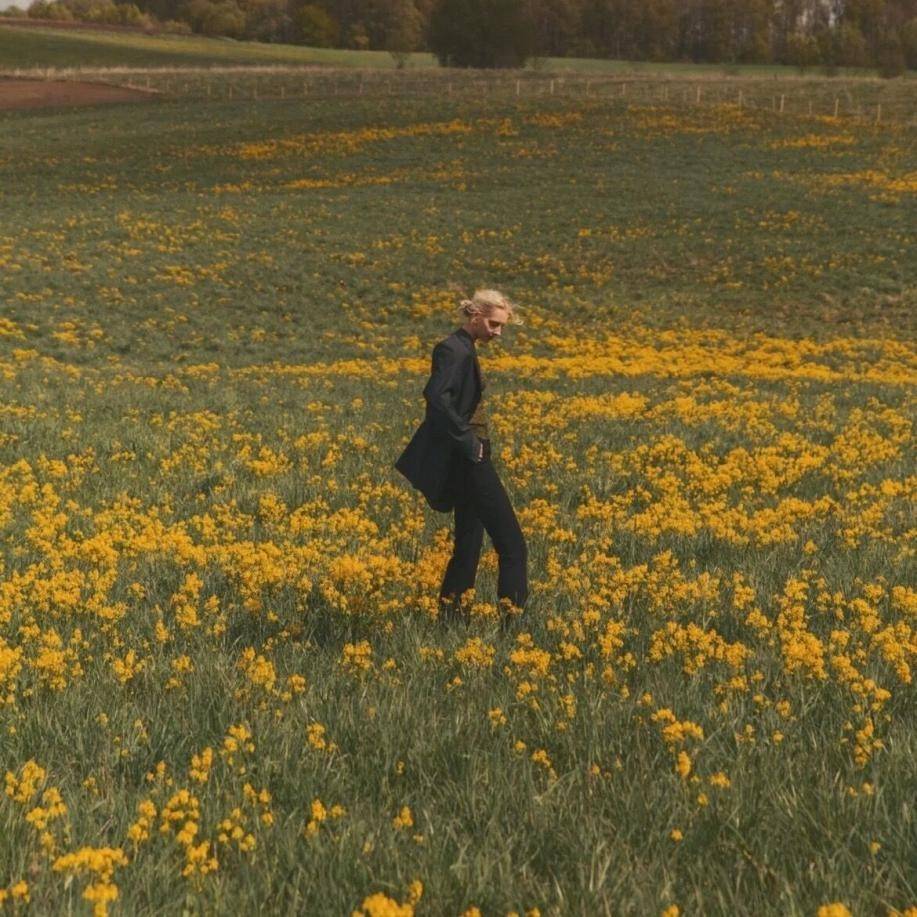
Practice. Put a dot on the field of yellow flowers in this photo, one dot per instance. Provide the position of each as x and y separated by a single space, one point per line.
223 686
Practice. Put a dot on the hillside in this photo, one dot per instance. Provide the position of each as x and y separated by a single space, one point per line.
30 46
26 47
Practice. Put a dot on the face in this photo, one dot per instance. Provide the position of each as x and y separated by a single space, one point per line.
491 326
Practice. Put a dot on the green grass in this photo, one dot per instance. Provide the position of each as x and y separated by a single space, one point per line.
735 231
215 325
22 47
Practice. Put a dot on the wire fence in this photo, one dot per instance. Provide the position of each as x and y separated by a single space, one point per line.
866 100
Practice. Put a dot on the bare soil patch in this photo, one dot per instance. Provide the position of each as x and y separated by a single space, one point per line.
23 94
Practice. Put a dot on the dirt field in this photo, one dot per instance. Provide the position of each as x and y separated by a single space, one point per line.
20 94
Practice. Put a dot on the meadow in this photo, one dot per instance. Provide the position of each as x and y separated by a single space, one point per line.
223 683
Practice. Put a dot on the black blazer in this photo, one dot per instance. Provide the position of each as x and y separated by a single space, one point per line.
445 437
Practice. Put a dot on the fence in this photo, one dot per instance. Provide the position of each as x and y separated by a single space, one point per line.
867 100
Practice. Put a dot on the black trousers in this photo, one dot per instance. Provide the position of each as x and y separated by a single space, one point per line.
482 504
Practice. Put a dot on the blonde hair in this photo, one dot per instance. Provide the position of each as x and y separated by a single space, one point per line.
485 301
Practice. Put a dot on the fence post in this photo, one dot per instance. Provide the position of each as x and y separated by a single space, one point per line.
697 100
552 87
837 102
781 103
810 108
878 112
740 98
517 88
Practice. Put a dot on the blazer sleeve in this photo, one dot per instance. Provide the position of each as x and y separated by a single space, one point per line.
440 393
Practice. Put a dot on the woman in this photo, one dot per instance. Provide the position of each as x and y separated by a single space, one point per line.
449 458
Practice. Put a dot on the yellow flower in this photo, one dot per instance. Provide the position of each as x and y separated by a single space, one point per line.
837 909
475 653
200 765
497 717
380 905
683 765
404 819
101 863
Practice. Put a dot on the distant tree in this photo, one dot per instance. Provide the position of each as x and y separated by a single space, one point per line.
314 27
163 10
909 42
131 14
716 35
113 13
227 18
753 44
654 28
599 26
268 20
850 49
752 26
507 33
223 17
868 17
556 24
403 31
357 36
481 33
14 12
890 57
802 51
788 26
40 9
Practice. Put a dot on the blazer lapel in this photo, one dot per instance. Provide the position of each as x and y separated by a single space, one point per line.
465 338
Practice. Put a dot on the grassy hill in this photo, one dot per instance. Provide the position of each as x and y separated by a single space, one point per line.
40 46
43 47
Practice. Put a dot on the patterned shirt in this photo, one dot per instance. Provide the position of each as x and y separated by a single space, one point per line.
478 420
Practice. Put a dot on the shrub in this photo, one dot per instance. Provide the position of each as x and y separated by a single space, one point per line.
890 58
315 27
909 42
481 33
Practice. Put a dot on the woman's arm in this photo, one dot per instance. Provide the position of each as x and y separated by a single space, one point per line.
440 392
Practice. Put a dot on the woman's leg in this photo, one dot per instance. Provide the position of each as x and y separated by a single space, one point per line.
462 568
491 505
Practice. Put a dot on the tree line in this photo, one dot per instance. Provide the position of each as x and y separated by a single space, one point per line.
507 33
